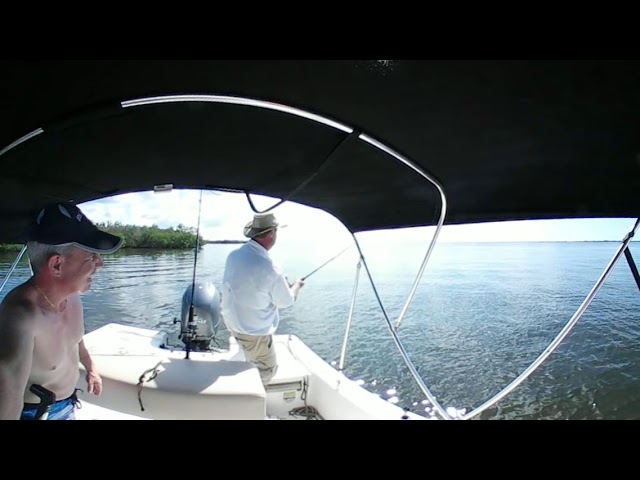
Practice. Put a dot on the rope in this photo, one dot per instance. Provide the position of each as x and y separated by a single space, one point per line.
154 373
309 412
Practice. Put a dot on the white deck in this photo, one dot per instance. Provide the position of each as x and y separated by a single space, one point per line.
216 386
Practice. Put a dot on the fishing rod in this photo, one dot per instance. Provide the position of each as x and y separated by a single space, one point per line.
325 263
191 324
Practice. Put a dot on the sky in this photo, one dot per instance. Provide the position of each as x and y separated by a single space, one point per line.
223 216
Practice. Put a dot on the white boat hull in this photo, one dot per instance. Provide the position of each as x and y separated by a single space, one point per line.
143 379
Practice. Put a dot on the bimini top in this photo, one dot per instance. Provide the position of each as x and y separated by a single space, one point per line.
506 140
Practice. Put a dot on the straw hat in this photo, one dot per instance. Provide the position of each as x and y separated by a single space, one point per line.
261 223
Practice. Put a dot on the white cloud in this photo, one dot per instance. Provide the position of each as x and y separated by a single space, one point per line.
224 215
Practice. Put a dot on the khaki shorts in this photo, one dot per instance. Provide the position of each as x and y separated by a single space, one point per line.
260 351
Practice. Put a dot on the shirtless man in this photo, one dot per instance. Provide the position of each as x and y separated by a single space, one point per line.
41 321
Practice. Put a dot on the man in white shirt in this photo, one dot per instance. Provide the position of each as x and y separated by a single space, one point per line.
253 289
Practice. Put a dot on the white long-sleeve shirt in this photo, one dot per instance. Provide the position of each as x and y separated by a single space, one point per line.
253 288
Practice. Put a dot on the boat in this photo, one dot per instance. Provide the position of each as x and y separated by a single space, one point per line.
378 144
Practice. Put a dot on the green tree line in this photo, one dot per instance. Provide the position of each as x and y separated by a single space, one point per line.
135 236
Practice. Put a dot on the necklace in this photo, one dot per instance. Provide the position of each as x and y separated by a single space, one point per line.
46 298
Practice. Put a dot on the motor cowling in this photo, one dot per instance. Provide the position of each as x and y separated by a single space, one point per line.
206 315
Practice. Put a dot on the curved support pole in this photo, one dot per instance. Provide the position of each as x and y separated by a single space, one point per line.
632 264
343 352
403 352
23 139
443 213
13 266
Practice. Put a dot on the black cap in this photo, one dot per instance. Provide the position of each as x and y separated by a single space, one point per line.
63 223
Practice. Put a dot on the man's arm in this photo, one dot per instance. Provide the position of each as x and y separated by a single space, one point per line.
16 357
283 294
94 382
295 288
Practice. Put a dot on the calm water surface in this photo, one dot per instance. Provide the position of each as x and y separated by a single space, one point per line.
481 315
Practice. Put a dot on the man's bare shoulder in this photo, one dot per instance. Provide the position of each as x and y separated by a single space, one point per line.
18 308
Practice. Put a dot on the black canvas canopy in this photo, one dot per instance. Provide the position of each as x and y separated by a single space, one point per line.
507 140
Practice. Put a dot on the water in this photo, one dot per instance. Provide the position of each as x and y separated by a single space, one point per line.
481 315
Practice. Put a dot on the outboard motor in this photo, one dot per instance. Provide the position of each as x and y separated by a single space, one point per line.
206 316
